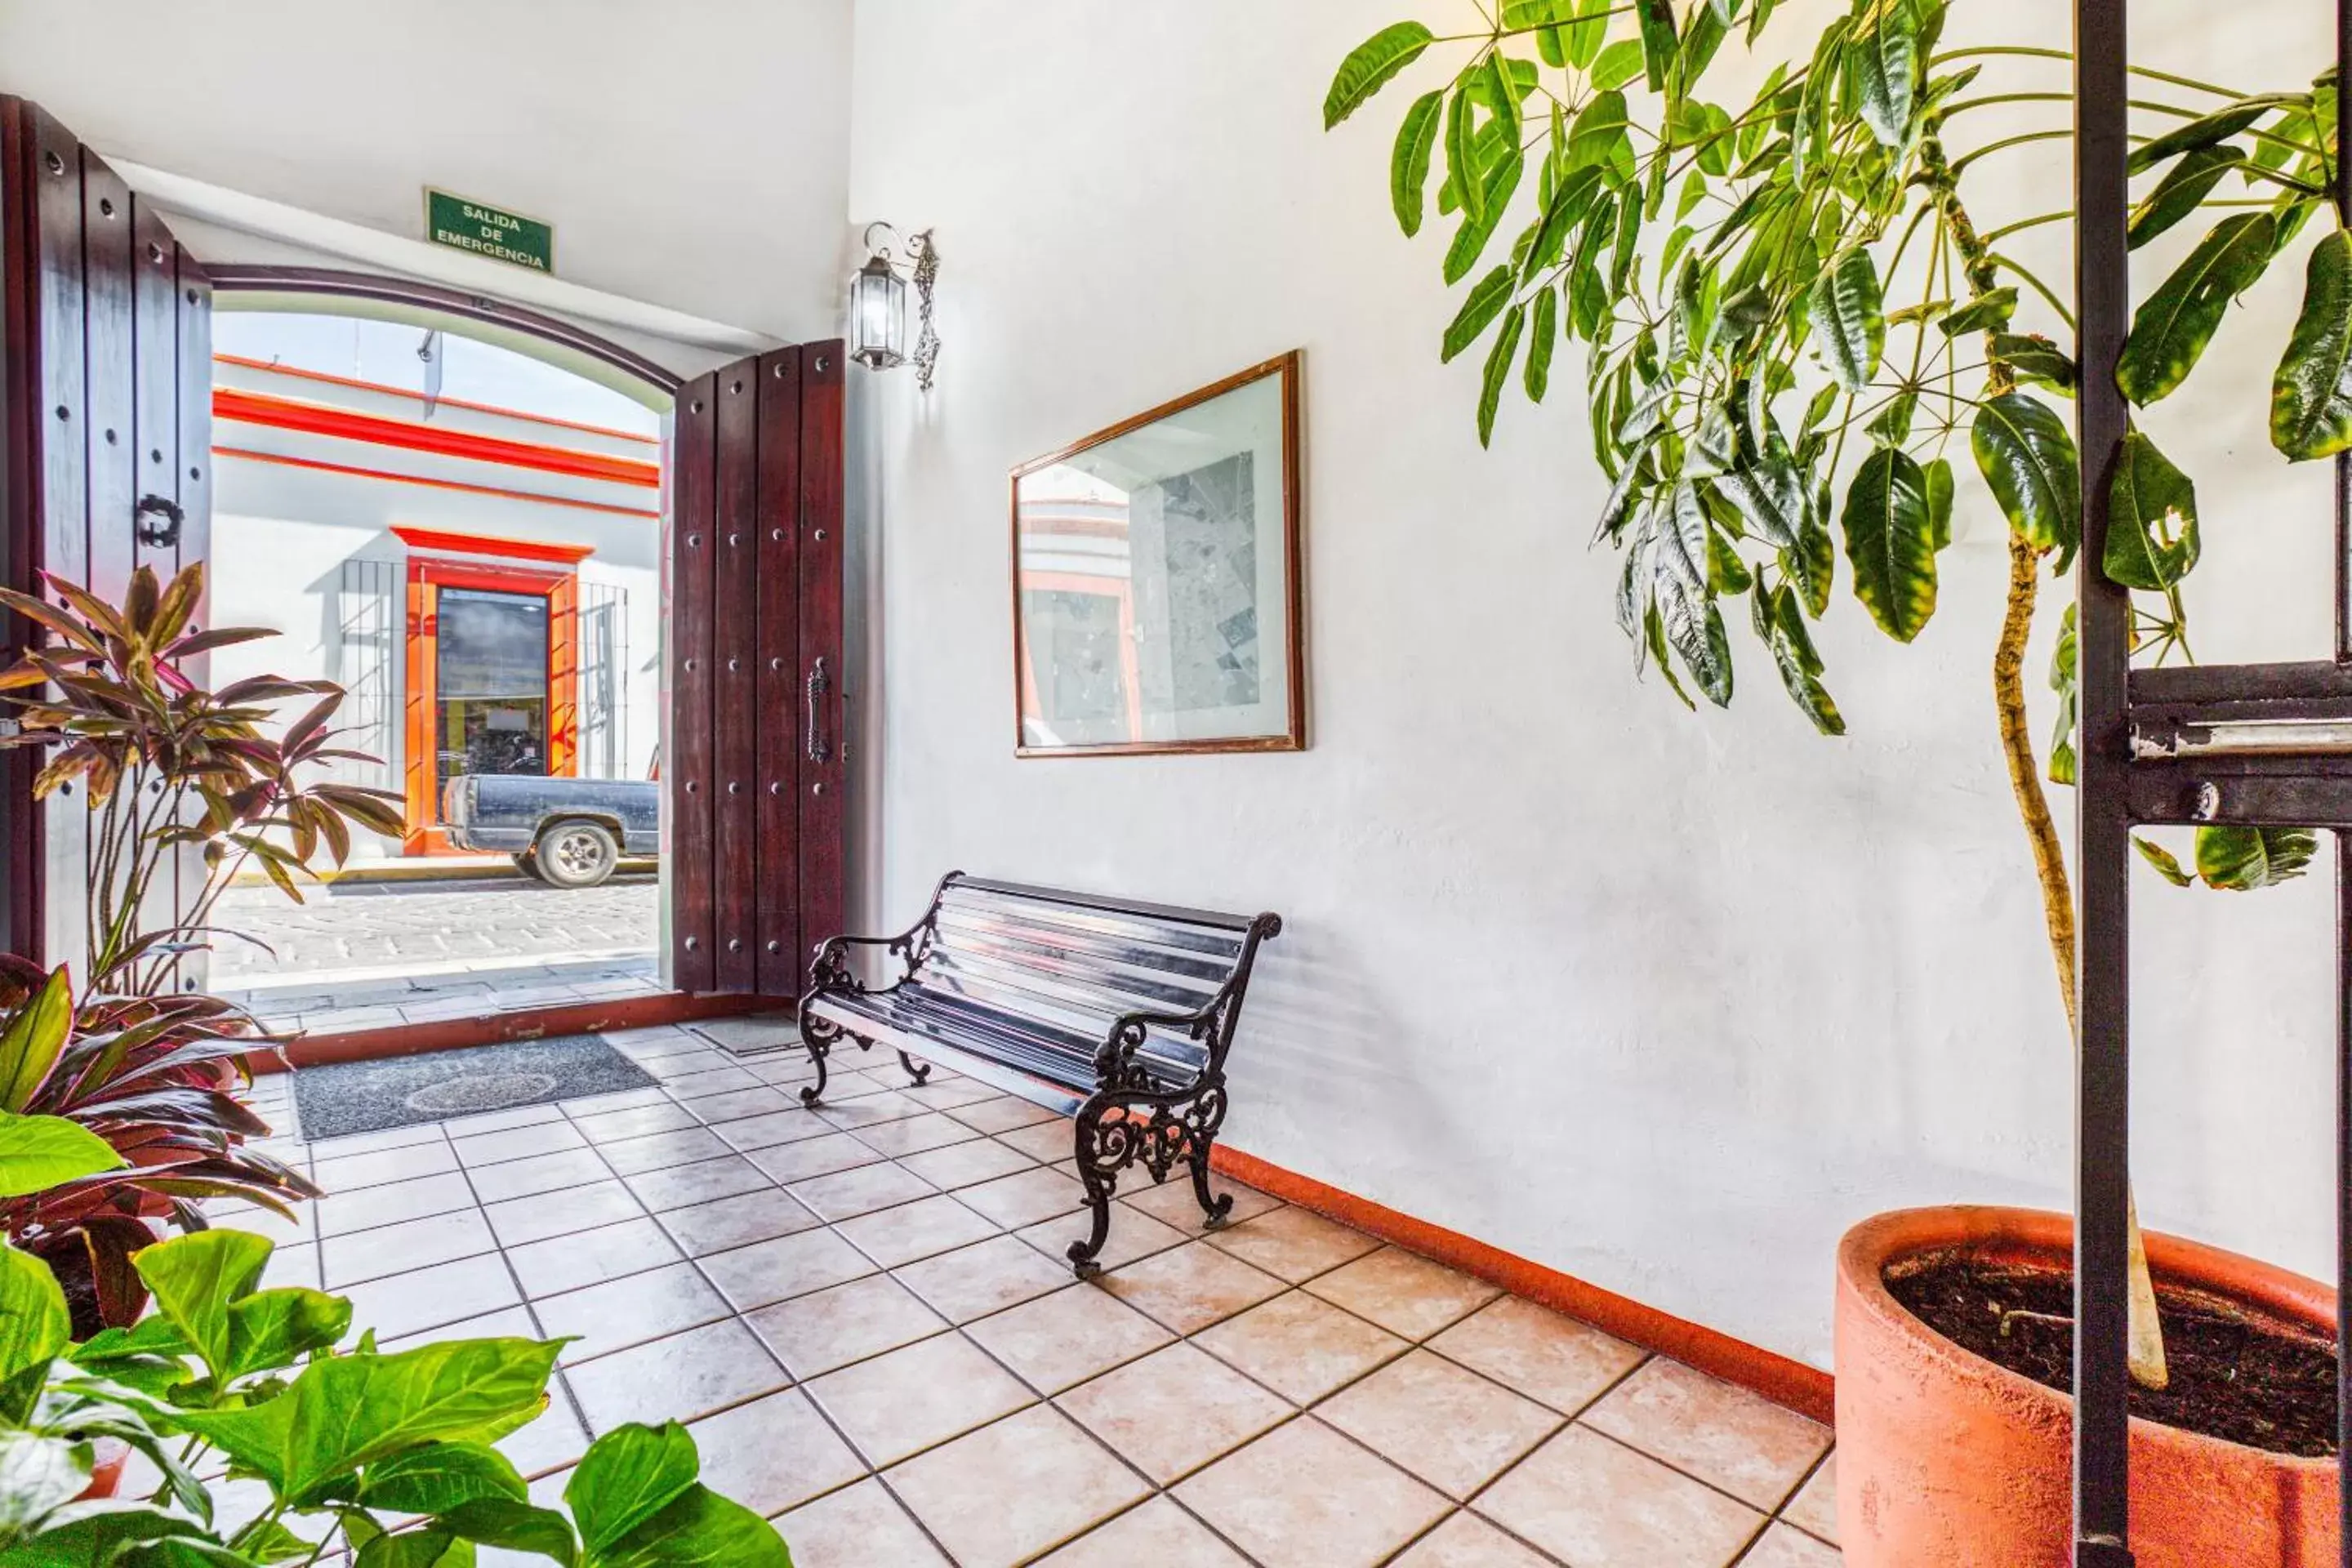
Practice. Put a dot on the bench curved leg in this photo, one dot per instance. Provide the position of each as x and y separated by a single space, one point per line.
818 1036
920 1071
1216 1208
1085 1255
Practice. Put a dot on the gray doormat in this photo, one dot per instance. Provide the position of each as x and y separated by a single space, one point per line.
401 1092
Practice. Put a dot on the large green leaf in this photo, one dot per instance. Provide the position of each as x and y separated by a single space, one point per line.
37 1152
1372 66
2242 859
1471 239
2209 131
34 1326
515 1527
433 1548
1891 543
699 1529
1498 371
270 1330
2152 523
1885 68
2311 401
2028 458
197 1278
1660 42
347 1412
2171 330
1770 496
1850 319
628 1475
1487 300
37 1473
438 1477
37 1032
1543 338
105 1530
1694 626
2182 191
1408 167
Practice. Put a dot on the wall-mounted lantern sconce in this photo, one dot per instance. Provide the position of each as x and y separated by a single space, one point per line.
878 306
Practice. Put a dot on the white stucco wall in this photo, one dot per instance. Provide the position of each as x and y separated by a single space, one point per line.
1664 1001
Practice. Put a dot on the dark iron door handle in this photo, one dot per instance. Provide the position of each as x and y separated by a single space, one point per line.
157 522
818 751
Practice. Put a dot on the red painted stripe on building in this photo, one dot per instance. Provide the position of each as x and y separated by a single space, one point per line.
312 463
416 396
342 425
485 544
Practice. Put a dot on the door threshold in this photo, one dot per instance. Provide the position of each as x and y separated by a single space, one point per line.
491 1028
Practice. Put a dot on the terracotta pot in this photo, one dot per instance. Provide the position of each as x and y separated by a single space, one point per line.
108 1455
1945 1460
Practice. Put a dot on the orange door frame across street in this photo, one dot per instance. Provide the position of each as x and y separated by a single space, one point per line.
514 566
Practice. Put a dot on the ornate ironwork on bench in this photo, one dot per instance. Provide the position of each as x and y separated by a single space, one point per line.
1120 1014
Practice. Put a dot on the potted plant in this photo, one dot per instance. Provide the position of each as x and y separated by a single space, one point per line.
388 1456
1792 314
151 1071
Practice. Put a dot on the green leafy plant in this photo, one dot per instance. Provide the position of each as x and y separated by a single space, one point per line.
166 764
391 1455
1792 315
118 1113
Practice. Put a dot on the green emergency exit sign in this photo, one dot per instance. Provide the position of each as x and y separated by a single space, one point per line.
489 231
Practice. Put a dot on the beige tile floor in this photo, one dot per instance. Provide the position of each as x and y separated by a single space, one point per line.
863 1314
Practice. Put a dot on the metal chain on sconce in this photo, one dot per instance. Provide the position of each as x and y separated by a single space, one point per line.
926 276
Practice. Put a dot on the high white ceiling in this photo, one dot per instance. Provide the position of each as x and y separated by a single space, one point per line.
693 156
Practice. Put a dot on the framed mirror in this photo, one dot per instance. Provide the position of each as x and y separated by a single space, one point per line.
1157 593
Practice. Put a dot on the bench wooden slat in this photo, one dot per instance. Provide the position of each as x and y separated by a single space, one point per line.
1164 1047
1152 932
961 926
1089 990
1127 909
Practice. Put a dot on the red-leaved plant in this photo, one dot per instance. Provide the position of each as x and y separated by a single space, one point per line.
164 766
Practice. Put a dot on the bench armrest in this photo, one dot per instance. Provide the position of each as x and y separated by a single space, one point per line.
830 970
1128 1033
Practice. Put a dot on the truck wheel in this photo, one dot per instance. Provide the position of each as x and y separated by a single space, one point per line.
576 855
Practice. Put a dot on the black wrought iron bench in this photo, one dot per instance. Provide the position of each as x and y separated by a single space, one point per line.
1119 1013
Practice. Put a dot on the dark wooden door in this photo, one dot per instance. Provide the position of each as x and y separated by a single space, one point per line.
755 752
105 400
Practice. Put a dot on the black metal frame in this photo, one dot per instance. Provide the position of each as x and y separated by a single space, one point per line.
1133 1115
2230 745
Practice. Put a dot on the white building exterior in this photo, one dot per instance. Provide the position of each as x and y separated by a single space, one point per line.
344 499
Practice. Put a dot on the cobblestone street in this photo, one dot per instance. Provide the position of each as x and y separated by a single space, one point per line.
368 956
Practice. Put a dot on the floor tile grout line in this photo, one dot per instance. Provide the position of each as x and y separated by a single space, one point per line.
1781 1513
571 1400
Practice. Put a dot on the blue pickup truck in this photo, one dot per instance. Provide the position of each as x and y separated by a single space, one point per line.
569 833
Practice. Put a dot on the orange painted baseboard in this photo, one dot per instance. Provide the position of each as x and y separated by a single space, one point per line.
1806 1390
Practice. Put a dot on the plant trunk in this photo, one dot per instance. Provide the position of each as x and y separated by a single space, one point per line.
2147 1366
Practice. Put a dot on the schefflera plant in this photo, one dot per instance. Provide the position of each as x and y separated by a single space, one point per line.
1795 327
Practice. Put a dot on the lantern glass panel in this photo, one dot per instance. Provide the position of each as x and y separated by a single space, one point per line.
878 306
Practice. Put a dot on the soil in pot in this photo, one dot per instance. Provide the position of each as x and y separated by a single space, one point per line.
2235 1376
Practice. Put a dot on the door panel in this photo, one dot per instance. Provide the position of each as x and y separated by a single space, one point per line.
782 948
100 408
735 847
686 750
823 822
755 634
